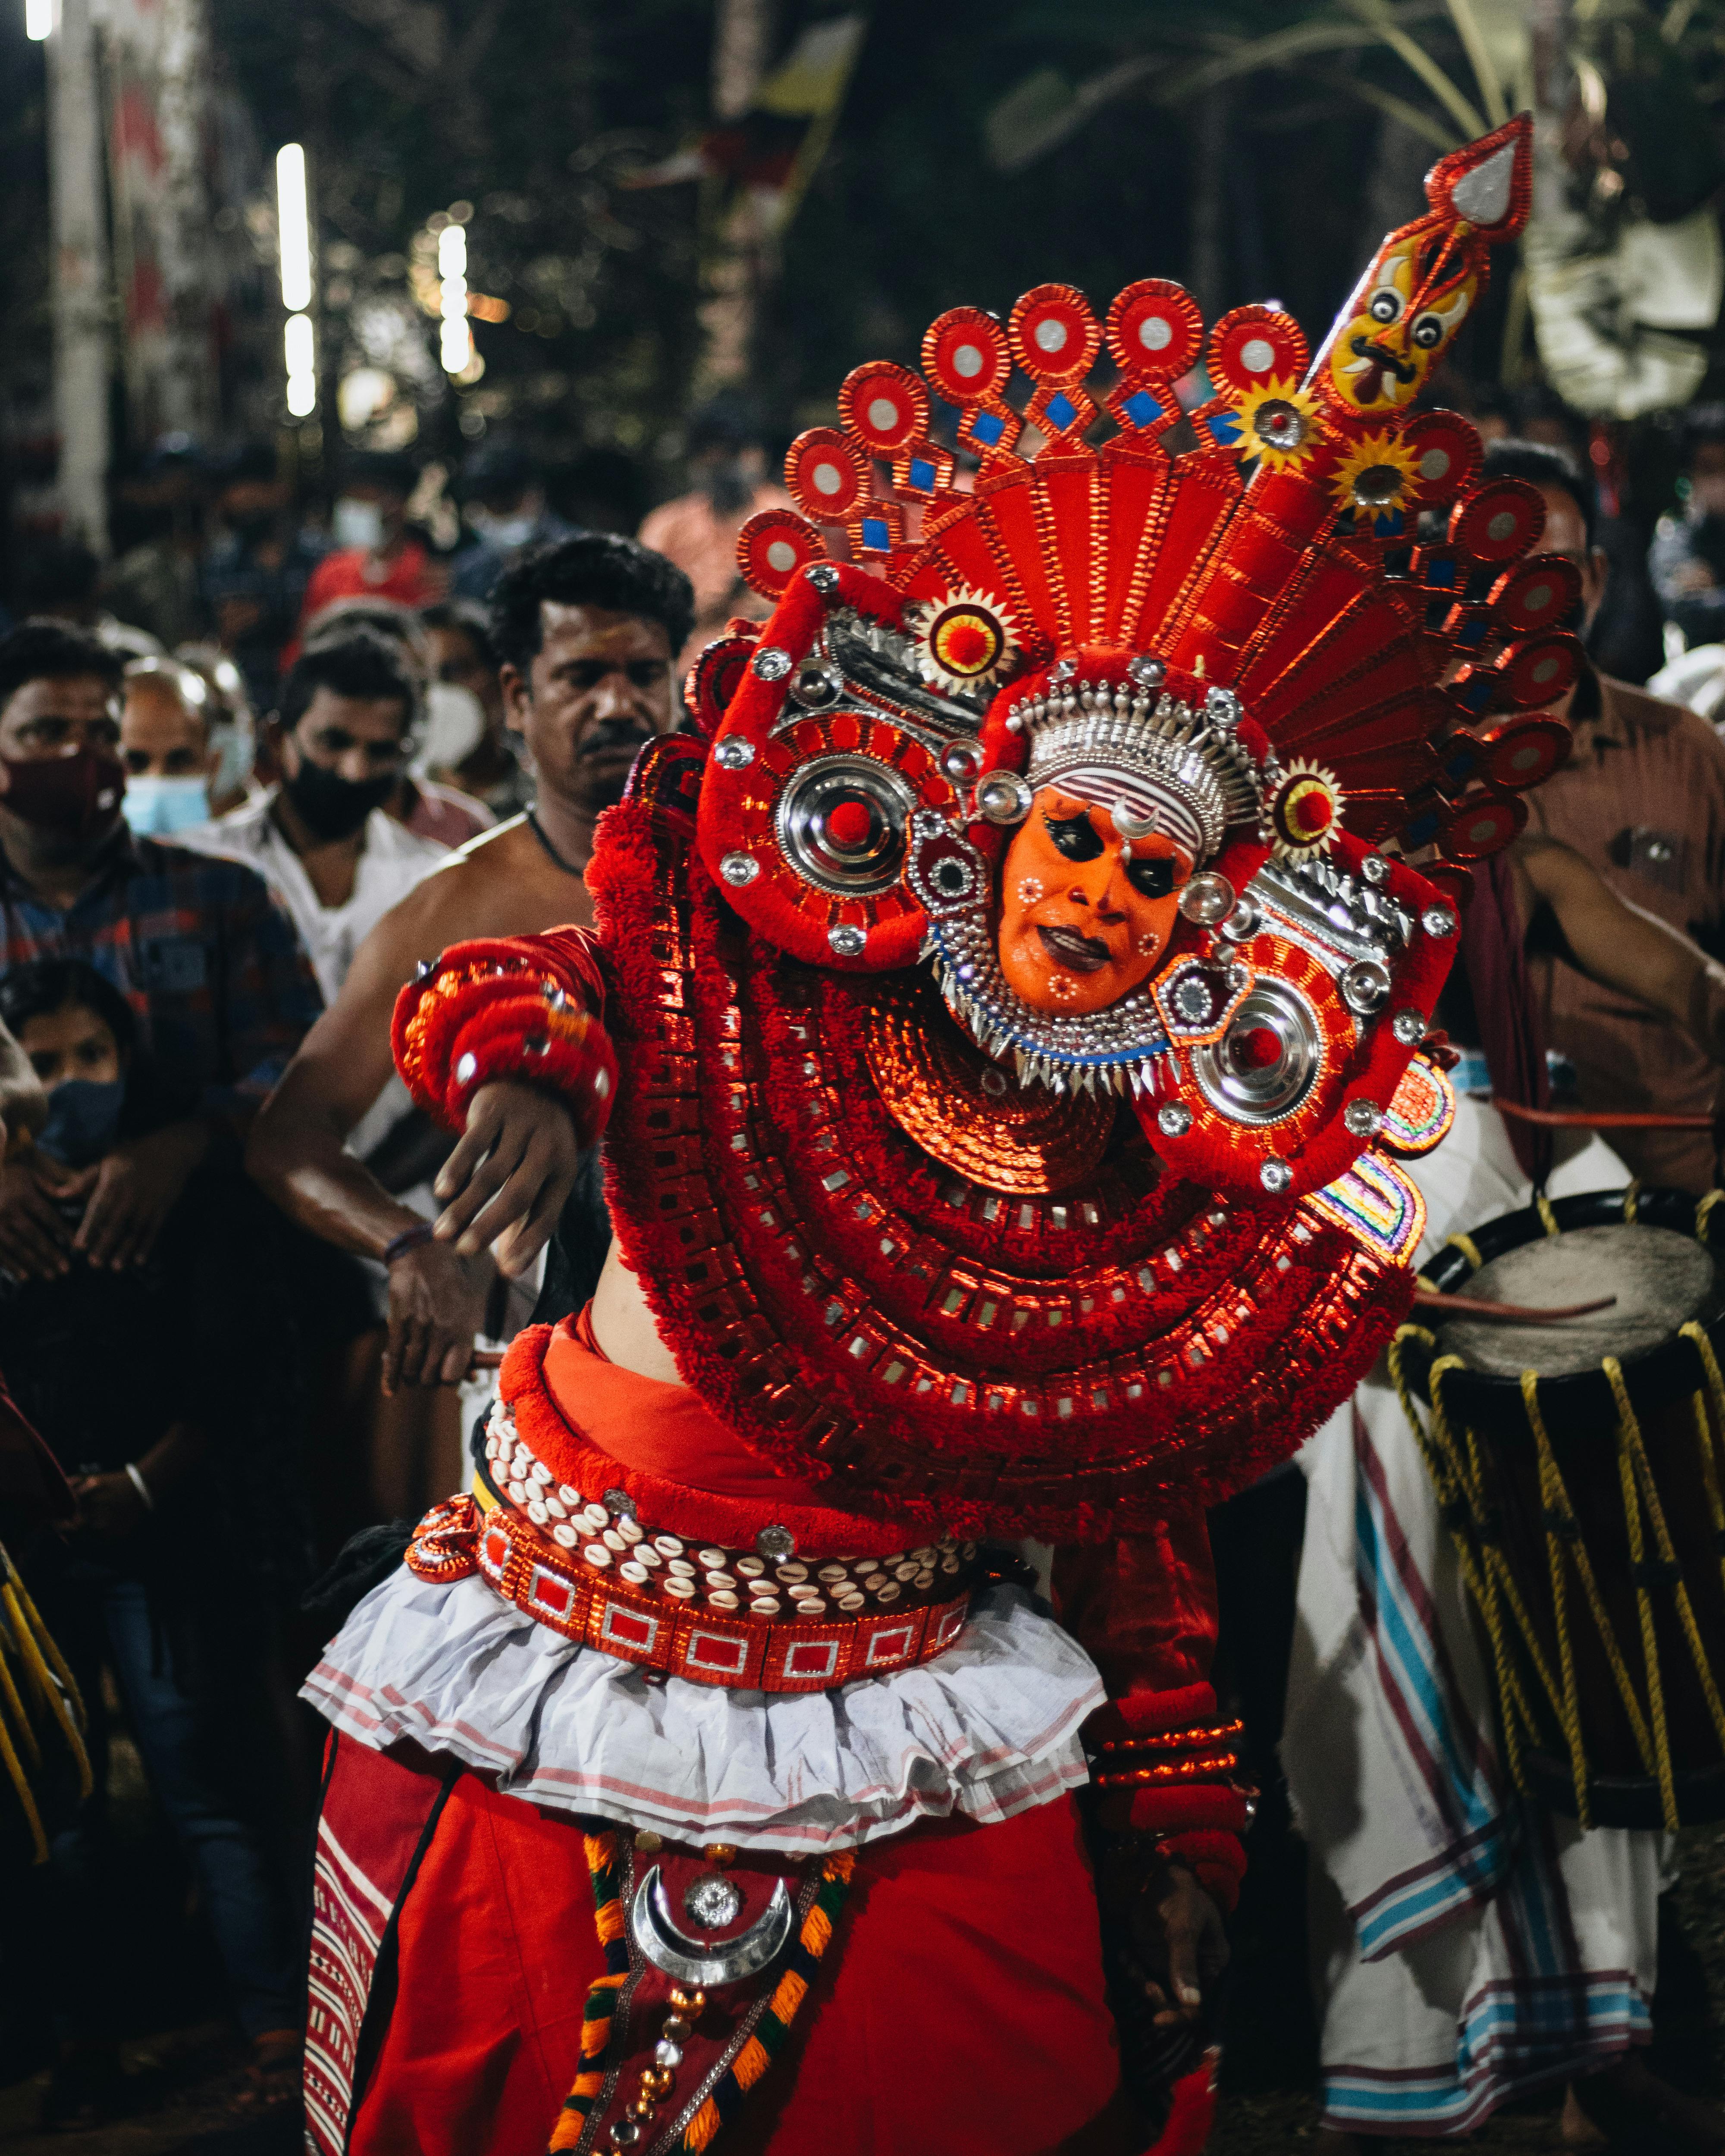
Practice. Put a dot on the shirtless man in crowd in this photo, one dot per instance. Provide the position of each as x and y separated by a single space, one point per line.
588 627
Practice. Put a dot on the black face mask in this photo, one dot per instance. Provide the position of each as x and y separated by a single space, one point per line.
331 806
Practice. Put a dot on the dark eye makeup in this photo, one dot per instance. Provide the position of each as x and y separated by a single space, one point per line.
1152 877
1075 836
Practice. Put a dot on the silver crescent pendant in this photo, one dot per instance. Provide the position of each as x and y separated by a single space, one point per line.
668 1947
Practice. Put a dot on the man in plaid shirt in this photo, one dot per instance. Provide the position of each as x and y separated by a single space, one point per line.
199 948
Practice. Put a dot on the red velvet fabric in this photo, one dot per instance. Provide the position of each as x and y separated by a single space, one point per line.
960 2007
1144 1609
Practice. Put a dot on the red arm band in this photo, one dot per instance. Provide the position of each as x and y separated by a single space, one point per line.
526 1008
1144 1608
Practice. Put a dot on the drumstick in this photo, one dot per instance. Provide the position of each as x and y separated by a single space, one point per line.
485 1358
1507 1313
1606 1119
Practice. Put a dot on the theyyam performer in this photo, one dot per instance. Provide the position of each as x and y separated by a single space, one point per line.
1005 1010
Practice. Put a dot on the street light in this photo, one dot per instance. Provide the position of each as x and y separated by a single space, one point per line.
456 343
38 19
293 229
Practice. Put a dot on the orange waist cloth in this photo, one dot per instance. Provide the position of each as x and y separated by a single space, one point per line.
665 1438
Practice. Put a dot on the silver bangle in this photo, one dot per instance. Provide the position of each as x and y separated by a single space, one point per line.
140 1485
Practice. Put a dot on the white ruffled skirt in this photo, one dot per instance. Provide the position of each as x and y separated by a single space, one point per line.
987 1729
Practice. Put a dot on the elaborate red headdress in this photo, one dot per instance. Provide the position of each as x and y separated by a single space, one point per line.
1261 672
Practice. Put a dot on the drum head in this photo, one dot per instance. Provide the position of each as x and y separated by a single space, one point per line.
1660 1280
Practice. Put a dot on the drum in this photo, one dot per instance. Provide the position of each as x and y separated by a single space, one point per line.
1579 1463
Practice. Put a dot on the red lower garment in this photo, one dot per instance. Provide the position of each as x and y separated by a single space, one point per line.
960 2009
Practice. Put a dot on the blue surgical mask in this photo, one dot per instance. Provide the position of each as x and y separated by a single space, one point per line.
157 807
83 1119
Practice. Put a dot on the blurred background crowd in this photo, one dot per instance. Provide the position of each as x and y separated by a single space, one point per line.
327 328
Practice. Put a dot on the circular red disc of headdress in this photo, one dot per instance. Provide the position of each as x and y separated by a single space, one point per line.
1537 593
1523 752
965 356
772 547
714 679
1252 346
1055 335
1446 451
1158 324
827 474
1454 881
1500 522
1481 824
885 407
1540 671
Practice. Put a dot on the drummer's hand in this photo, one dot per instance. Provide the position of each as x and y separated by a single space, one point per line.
437 1303
505 1182
1181 1947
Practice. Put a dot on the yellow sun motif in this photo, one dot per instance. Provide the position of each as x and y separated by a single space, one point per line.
1278 425
1375 476
965 639
1307 812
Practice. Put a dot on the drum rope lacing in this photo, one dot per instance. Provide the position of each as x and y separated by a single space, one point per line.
1457 1472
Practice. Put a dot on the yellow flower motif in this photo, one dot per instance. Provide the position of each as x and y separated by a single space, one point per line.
1278 425
1306 811
1374 477
965 640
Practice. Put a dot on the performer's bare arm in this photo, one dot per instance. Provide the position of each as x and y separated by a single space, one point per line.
502 885
1618 946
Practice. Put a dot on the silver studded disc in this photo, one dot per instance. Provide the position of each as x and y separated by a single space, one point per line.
739 869
1362 1118
712 1902
1207 899
770 664
1437 920
1147 672
1375 869
1001 796
1275 1176
734 753
1174 1119
1365 986
841 821
846 940
1269 1059
1409 1027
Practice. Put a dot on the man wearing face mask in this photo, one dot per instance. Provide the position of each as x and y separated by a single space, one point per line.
375 556
321 838
585 630
165 744
505 512
1642 798
206 960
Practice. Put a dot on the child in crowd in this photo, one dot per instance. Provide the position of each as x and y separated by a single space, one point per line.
129 1370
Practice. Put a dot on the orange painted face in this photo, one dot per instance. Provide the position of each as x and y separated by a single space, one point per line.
1086 915
1381 355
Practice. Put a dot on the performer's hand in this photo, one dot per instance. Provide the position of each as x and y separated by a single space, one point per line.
505 1182
136 1187
1181 1946
437 1303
